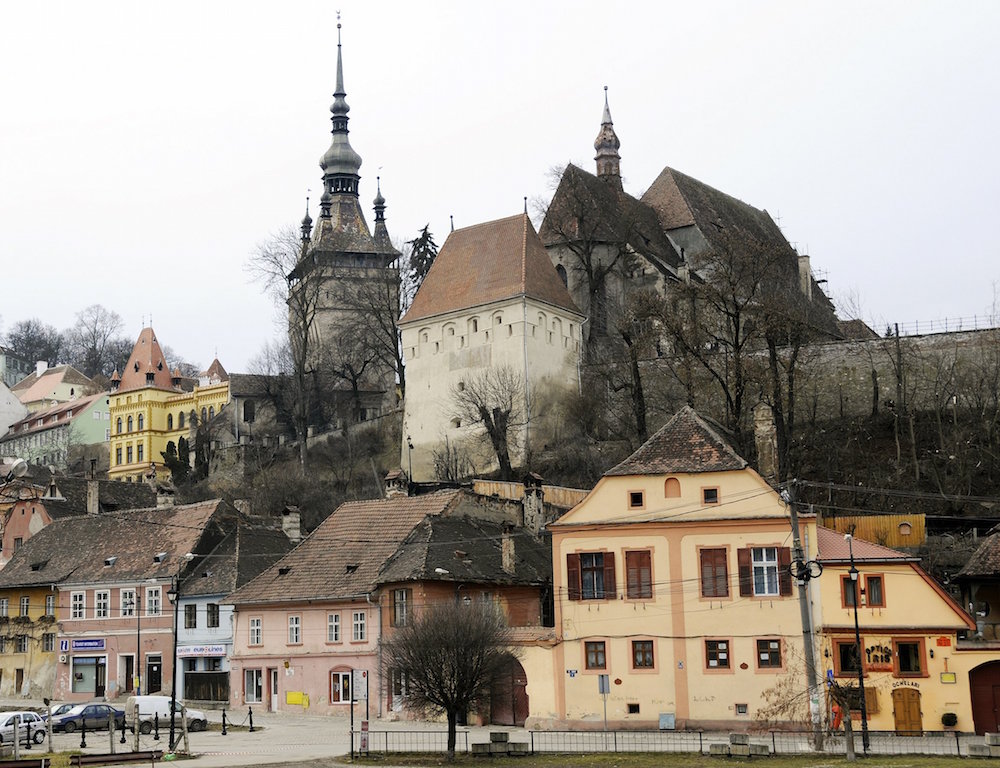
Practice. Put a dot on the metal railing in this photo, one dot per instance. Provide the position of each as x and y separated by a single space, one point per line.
694 742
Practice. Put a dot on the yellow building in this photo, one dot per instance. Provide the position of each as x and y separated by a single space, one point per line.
915 669
152 406
28 641
671 578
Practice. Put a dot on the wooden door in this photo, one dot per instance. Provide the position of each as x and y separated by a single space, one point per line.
984 684
906 710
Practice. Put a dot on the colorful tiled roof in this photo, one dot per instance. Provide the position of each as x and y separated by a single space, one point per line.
146 357
686 443
833 547
341 559
485 263
65 412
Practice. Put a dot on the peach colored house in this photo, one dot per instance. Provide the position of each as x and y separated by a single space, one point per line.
672 579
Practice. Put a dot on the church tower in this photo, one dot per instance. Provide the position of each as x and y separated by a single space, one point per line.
344 275
607 145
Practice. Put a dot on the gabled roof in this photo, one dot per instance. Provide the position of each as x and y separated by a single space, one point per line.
470 551
74 549
586 207
113 496
485 263
245 553
985 561
146 357
34 388
342 557
215 373
686 443
62 413
832 547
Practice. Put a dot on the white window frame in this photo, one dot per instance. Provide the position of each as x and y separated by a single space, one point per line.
50 605
21 644
764 566
256 631
77 605
4 606
127 603
49 641
102 604
333 627
154 601
342 678
295 629
25 605
253 685
358 629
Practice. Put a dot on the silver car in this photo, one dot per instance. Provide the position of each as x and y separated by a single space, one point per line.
8 720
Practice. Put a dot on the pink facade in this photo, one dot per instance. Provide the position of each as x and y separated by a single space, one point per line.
26 518
300 657
100 631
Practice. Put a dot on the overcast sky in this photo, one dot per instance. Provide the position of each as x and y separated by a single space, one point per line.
146 147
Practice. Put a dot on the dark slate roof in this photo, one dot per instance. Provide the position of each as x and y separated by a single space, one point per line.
832 547
489 262
342 557
585 207
985 561
686 443
74 549
470 550
245 553
112 494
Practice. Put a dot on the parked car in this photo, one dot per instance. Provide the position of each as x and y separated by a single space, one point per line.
61 709
152 707
92 716
21 719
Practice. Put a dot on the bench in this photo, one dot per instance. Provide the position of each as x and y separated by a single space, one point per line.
147 756
37 762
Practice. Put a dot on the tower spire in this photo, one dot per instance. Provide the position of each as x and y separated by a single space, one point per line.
307 221
340 163
607 145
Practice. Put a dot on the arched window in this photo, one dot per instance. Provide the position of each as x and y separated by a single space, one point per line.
211 412
118 427
170 421
139 422
672 488
193 417
129 422
561 271
180 420
204 414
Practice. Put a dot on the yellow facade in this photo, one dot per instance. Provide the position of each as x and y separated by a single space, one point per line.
165 416
28 642
672 647
914 671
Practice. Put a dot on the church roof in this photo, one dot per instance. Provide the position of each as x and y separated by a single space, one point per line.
146 357
585 207
489 262
686 443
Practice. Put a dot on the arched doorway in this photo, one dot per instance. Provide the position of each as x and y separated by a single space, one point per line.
906 710
509 695
984 684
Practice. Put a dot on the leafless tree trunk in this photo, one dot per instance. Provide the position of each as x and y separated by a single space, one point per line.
495 400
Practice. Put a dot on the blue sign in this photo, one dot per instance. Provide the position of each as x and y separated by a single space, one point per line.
97 644
63 645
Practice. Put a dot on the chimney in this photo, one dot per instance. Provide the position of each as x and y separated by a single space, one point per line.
507 554
805 277
93 495
40 367
291 525
533 503
53 492
396 484
766 438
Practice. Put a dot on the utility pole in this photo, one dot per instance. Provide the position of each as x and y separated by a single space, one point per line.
802 577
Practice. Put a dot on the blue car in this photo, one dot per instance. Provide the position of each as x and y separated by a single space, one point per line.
92 716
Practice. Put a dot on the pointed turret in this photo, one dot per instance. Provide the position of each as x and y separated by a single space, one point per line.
307 223
381 234
340 163
607 145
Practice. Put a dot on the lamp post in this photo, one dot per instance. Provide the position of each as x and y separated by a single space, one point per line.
133 604
857 645
175 594
409 455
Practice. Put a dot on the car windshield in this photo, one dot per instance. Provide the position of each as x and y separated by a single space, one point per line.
75 710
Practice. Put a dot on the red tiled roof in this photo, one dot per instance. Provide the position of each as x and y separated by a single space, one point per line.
52 417
214 373
489 262
342 557
833 547
146 357
686 443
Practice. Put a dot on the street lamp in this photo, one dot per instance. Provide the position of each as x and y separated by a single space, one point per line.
18 469
857 644
174 594
133 604
409 455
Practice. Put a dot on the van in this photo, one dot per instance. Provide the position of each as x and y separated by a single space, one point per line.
152 708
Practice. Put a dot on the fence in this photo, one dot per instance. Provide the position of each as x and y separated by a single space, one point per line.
695 742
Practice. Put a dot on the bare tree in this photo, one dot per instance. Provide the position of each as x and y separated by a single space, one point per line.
94 344
32 341
449 653
273 264
495 399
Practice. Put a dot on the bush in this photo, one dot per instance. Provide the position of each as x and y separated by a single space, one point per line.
949 719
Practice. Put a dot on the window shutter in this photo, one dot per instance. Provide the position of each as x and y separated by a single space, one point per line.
610 592
573 576
784 574
746 572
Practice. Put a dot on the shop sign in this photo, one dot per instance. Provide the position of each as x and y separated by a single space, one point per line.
201 650
90 644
